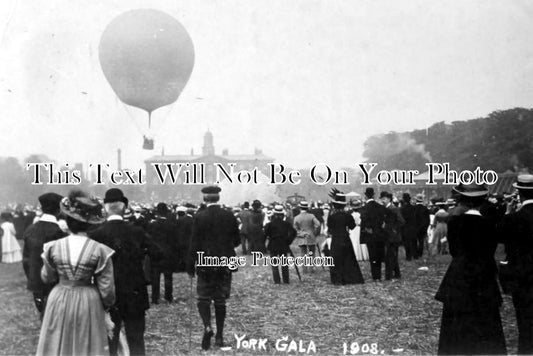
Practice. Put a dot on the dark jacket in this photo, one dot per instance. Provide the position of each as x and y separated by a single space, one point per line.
215 232
339 223
470 282
422 219
410 228
516 231
394 224
280 235
130 244
163 233
184 234
35 237
373 216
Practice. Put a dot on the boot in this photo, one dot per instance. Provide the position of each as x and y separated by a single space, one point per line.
220 315
204 308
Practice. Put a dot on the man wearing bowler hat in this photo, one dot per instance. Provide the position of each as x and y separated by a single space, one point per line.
307 229
35 236
163 232
516 231
130 244
215 232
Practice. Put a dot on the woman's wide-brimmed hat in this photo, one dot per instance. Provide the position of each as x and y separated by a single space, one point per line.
80 206
524 181
471 190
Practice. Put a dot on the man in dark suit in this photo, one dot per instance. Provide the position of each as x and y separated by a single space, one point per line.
373 217
163 232
183 233
216 234
35 236
130 244
422 224
279 234
393 226
516 229
409 230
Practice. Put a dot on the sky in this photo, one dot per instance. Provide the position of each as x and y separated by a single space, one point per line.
306 81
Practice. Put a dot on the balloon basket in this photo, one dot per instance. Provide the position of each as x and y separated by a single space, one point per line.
148 143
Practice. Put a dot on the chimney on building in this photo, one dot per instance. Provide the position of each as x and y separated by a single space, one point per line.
119 159
225 152
192 151
257 151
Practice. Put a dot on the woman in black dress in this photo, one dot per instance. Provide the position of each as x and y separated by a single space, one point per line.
470 294
340 222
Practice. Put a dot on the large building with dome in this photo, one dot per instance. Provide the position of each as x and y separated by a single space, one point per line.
208 157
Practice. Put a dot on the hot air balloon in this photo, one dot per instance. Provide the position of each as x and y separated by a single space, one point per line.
147 57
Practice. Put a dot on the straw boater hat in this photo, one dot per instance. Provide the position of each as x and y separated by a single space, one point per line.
419 198
278 210
304 205
356 204
80 206
450 201
524 181
471 190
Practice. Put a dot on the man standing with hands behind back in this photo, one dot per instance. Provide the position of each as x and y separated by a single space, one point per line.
373 221
215 232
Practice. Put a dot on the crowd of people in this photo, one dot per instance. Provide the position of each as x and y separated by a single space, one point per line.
88 262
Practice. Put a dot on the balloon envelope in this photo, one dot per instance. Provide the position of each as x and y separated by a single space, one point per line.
147 57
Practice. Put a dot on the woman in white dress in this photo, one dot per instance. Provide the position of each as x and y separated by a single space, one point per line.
361 251
11 251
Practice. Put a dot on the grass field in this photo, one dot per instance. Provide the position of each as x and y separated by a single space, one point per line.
401 317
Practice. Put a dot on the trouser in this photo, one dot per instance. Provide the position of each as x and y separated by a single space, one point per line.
156 281
376 254
284 269
420 240
213 286
392 267
523 305
244 243
307 250
410 248
134 326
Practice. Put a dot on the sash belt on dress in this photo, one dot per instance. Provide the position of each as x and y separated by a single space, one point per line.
75 283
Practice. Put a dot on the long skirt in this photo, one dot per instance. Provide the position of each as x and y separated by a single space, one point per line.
471 332
346 269
360 250
73 323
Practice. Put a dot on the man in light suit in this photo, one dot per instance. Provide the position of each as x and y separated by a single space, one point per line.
307 229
